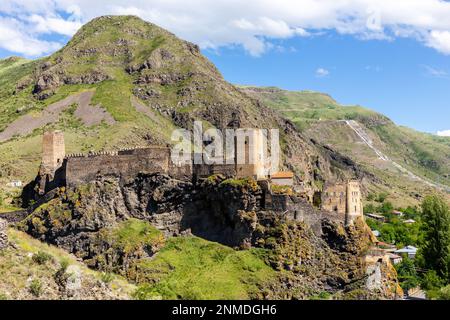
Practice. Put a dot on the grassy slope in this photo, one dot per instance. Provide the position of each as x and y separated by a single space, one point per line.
187 267
193 268
18 270
315 113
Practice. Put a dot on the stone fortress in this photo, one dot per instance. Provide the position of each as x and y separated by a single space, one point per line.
339 200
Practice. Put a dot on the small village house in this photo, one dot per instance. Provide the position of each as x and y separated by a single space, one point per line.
15 184
283 178
410 251
395 258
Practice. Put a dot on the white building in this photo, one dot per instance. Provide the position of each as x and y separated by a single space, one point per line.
409 250
15 184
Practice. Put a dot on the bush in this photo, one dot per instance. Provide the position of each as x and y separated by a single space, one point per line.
107 277
431 281
386 208
382 197
36 287
42 257
444 293
369 208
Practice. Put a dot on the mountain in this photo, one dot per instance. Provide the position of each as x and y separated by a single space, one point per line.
408 164
122 82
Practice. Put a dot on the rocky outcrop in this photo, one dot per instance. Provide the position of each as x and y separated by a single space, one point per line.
233 212
3 234
49 81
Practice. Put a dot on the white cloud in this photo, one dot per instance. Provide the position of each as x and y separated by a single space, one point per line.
434 72
321 73
445 133
373 68
440 40
13 38
252 24
54 25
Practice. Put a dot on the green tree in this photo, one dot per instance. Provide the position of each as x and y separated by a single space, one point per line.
435 248
407 274
431 281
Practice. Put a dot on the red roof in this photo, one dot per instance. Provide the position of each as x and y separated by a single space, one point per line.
282 175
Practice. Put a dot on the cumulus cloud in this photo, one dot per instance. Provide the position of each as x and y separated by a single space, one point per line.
15 39
321 73
252 24
444 133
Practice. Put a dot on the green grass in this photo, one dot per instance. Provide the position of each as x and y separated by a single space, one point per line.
115 96
23 263
133 233
193 268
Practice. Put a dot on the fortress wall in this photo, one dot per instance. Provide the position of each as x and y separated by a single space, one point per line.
334 198
125 165
299 209
207 170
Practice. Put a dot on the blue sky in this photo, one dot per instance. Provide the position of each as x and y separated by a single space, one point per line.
402 79
390 56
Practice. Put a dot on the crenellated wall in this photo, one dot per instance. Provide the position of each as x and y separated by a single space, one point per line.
125 164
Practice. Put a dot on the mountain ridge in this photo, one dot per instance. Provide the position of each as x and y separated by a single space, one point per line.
318 115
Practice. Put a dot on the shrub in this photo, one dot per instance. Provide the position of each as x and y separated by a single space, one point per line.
36 287
107 277
382 197
42 257
431 281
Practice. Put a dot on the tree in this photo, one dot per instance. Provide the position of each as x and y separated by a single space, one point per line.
407 274
435 249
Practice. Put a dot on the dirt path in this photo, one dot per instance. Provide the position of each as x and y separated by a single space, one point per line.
89 115
362 134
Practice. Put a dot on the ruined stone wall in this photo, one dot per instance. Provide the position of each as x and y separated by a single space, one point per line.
205 170
3 234
334 198
126 164
297 208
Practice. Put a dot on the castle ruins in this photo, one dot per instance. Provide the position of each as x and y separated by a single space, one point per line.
58 169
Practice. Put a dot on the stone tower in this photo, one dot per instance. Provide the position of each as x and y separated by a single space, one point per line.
250 153
354 202
53 152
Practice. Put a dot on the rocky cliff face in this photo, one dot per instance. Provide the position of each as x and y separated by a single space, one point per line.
83 220
3 235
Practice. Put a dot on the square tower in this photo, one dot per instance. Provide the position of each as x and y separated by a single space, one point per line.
250 154
53 151
354 201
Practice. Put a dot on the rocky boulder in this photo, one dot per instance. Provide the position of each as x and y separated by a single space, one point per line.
3 234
